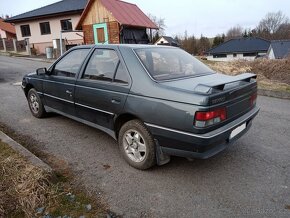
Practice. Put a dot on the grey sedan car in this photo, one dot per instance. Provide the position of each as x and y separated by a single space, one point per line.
155 101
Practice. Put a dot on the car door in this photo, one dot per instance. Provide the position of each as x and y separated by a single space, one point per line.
102 88
59 85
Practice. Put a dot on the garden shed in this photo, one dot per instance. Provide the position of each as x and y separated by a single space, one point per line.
113 22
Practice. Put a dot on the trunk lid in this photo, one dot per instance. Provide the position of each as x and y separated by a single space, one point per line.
218 90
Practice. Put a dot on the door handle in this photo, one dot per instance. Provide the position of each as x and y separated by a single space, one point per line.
68 92
116 101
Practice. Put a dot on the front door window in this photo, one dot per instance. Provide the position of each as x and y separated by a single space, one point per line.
70 64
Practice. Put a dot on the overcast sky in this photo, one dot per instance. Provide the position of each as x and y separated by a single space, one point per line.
207 17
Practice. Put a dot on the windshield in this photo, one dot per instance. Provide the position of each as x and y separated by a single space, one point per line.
171 63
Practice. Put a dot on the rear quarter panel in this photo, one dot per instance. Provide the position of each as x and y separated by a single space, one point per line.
157 104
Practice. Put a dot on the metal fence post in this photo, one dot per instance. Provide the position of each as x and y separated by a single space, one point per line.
60 44
28 46
4 45
14 45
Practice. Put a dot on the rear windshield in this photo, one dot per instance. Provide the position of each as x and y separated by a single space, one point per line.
171 63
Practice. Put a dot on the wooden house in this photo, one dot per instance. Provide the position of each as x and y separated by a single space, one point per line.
113 22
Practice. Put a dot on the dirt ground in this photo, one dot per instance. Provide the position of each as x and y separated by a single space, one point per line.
272 74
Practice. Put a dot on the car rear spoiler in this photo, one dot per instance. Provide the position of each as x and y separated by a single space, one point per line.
208 88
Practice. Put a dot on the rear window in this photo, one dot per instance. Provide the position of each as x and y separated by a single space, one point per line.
171 63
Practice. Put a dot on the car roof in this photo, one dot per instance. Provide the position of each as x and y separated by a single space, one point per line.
133 46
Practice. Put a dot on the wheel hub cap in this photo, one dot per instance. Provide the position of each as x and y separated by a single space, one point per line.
34 103
134 146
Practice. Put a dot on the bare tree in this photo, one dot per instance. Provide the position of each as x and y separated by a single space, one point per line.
203 45
283 31
272 22
234 32
160 23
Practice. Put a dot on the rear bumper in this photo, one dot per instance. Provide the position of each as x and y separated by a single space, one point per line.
202 146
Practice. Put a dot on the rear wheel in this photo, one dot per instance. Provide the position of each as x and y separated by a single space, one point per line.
35 104
137 145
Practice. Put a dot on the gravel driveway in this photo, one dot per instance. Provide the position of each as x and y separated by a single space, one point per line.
251 178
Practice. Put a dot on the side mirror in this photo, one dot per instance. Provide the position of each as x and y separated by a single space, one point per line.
41 71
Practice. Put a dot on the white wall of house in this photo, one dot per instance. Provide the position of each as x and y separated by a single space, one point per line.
2 34
232 57
161 41
270 53
41 41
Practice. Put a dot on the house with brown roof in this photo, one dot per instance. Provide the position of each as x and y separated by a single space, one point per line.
7 30
42 26
114 21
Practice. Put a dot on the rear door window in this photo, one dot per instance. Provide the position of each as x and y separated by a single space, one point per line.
102 65
121 75
105 65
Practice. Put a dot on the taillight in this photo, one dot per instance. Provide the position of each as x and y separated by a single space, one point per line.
207 118
253 99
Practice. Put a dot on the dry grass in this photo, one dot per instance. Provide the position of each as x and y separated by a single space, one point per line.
24 187
272 74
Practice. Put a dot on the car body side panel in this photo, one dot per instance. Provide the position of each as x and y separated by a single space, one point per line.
99 102
58 93
34 81
166 113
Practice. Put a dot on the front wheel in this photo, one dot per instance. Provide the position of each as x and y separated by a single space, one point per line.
137 145
35 104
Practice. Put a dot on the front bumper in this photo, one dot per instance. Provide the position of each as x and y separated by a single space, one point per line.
202 146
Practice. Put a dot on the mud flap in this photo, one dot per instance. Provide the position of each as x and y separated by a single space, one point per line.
161 158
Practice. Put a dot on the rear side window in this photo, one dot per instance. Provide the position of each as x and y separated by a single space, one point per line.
171 63
105 65
121 75
71 63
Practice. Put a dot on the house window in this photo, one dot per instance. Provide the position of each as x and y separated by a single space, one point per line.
249 54
219 55
234 55
66 25
25 30
44 28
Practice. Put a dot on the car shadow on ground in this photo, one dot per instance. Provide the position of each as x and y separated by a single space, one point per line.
235 154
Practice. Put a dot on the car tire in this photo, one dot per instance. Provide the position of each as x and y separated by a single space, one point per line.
35 104
137 145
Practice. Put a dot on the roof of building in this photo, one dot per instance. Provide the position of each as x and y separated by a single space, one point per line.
7 27
241 45
281 48
125 13
61 7
170 40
